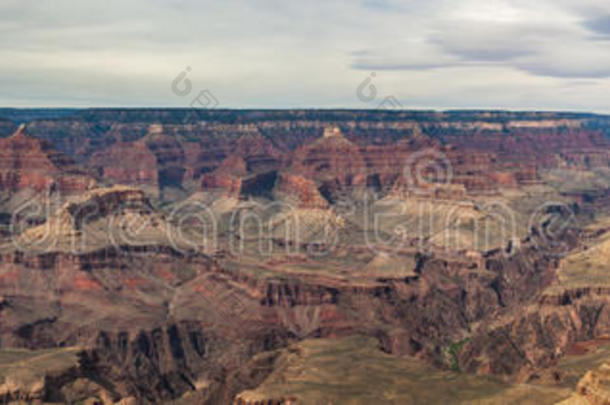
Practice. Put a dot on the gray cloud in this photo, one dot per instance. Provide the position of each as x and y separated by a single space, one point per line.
539 47
567 72
599 25
489 42
273 53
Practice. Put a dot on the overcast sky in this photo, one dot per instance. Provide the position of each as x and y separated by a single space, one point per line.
517 54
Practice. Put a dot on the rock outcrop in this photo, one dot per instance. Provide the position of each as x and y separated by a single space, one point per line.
160 307
340 150
299 191
29 163
592 389
227 178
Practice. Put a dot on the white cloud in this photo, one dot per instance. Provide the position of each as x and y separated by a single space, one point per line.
272 53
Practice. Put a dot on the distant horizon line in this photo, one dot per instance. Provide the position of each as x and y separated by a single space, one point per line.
329 109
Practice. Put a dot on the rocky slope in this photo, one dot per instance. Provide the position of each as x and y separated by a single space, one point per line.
170 148
217 243
29 163
354 370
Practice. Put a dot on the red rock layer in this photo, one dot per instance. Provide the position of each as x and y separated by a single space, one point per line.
29 163
487 151
127 163
300 189
227 177
332 160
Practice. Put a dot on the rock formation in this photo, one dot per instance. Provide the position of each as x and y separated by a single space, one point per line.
29 163
426 233
300 191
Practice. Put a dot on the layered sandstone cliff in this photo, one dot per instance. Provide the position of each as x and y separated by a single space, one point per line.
161 311
29 163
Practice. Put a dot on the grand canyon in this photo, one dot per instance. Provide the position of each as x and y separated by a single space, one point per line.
304 256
